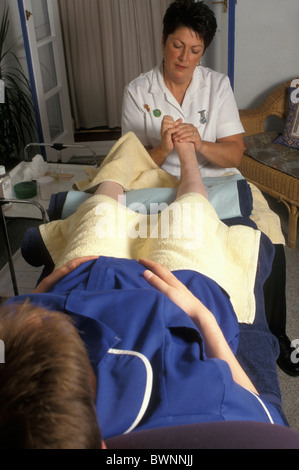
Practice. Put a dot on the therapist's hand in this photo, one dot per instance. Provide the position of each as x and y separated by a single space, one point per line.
185 132
166 146
168 128
59 273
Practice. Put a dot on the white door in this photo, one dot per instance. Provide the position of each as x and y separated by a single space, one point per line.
44 51
220 55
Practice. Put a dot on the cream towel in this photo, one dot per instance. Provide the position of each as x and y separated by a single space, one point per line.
186 235
98 227
266 220
129 164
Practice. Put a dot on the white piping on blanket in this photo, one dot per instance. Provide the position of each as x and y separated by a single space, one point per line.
263 405
148 386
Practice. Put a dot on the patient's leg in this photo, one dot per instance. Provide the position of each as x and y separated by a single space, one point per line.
111 189
191 180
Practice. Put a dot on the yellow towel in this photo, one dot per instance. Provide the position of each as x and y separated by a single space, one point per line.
186 235
98 227
130 165
266 220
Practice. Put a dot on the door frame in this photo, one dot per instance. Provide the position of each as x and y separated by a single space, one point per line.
30 70
231 41
60 89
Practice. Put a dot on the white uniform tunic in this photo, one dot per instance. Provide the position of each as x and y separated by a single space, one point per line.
209 105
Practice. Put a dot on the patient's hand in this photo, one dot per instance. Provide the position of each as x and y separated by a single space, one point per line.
216 345
161 278
59 273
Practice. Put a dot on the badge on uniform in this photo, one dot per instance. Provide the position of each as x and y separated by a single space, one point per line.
157 113
203 119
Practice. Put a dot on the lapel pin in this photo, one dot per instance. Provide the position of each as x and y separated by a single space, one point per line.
203 118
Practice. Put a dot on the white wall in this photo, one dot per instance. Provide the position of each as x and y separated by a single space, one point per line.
267 48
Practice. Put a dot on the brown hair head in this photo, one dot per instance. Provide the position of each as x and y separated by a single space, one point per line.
46 399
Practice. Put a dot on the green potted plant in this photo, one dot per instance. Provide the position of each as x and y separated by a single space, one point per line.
17 122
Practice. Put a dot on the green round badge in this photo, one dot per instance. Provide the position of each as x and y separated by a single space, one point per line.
157 113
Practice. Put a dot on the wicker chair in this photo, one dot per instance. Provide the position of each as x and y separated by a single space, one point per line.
271 180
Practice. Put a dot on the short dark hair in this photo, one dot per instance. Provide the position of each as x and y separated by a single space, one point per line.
45 398
193 15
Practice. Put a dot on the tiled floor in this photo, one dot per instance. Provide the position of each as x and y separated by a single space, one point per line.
26 276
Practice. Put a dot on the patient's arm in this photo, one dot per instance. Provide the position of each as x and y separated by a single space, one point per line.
59 273
216 345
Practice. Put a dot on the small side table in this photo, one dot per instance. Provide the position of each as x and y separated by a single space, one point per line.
35 208
4 202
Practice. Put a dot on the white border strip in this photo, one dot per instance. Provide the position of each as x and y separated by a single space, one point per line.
263 405
148 386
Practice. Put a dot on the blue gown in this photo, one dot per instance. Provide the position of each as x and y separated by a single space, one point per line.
147 354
